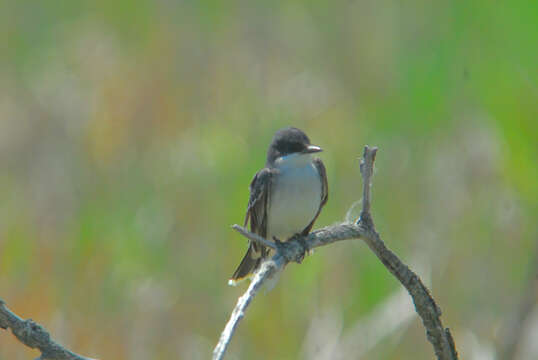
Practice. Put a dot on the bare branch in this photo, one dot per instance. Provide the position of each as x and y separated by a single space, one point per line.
35 336
394 314
367 170
425 306
266 271
364 228
254 237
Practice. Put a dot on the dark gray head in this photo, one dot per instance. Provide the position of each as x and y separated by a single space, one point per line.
288 141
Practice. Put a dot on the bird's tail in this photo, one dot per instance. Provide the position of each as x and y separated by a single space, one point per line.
248 265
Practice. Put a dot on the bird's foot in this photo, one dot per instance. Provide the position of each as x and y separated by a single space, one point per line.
304 247
277 241
285 247
281 246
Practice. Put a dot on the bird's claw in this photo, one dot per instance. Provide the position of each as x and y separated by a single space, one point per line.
304 247
301 240
277 241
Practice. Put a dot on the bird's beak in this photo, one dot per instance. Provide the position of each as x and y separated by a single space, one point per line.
312 149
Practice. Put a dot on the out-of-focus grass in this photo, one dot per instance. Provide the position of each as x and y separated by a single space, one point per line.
129 132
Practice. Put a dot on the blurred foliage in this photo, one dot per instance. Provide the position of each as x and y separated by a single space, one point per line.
130 130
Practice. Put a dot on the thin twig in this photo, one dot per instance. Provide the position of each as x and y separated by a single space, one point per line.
394 314
35 336
254 237
293 250
437 335
367 170
266 271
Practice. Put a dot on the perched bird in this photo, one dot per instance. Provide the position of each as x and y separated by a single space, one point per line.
286 196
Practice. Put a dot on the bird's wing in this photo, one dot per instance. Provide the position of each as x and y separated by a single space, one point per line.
324 184
324 192
257 205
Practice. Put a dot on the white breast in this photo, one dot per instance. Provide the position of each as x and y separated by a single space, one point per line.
294 198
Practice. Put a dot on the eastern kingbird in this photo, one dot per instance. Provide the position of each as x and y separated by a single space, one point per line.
286 196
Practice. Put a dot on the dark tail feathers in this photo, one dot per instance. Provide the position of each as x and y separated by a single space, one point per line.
250 262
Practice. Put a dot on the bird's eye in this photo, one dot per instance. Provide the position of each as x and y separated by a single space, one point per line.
297 147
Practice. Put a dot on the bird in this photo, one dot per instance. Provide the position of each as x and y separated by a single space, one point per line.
286 196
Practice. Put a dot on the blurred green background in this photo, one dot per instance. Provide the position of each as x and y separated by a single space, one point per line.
130 130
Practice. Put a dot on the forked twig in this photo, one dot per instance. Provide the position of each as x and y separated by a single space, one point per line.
364 228
35 336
